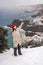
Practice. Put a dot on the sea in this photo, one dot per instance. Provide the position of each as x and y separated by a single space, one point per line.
7 18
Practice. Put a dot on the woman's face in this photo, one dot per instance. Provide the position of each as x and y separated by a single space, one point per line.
15 27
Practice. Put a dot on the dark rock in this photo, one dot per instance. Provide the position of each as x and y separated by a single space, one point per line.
3 40
30 33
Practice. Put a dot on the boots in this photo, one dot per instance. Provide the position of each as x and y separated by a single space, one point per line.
15 51
19 50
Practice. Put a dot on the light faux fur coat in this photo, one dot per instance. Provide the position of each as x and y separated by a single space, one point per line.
16 38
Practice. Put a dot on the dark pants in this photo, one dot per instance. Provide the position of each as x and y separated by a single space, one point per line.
19 50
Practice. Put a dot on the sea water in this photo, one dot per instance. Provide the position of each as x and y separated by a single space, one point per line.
7 18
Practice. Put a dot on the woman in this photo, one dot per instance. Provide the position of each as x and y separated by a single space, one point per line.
16 39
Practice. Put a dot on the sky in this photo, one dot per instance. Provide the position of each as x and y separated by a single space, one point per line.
15 3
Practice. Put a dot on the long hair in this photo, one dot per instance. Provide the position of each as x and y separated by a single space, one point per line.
14 29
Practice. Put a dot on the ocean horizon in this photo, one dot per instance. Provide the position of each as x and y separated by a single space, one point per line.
7 18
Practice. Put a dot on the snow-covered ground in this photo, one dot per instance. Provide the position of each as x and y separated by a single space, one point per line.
31 56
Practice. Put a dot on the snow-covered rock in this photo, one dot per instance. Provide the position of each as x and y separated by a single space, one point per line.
5 26
37 21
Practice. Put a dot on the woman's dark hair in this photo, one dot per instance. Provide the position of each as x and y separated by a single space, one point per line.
13 29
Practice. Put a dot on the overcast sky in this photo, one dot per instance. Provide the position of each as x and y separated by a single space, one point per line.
15 3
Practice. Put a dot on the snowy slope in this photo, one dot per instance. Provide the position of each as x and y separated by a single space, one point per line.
31 56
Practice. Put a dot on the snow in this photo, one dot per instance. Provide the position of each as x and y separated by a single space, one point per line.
6 27
31 56
38 20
